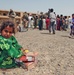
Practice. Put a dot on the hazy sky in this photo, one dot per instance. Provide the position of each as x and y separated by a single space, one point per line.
65 7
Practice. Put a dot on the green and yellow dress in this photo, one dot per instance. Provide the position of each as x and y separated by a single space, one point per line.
9 50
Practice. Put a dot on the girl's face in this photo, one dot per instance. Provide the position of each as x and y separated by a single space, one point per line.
7 32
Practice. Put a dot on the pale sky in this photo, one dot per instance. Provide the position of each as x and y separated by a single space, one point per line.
65 7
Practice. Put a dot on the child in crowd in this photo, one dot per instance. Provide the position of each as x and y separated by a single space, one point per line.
72 26
47 23
11 53
32 23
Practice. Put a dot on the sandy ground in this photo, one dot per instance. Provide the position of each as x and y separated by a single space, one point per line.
56 53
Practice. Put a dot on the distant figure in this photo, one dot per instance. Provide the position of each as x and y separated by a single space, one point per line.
49 13
44 22
32 23
35 21
29 17
12 15
61 22
58 22
25 19
47 23
52 22
72 26
70 21
40 23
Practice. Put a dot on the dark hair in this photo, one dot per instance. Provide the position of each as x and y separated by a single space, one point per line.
51 10
31 18
5 24
10 12
72 14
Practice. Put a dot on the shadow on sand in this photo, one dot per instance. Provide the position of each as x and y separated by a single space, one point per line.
67 36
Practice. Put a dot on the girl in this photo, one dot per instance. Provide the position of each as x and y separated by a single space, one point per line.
47 23
10 51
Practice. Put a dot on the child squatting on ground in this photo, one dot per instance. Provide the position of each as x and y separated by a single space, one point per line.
12 55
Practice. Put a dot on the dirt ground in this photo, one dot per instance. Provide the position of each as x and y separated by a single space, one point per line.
56 53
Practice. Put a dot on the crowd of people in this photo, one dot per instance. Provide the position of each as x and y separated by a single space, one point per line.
49 21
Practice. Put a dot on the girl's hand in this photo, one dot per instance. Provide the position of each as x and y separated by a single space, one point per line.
25 51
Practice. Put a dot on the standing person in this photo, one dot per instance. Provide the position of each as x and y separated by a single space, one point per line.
35 21
52 22
58 22
32 23
47 23
10 50
70 21
72 26
40 23
55 20
25 19
64 24
29 17
44 22
12 15
61 22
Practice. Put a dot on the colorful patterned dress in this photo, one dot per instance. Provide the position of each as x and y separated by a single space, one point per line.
9 50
